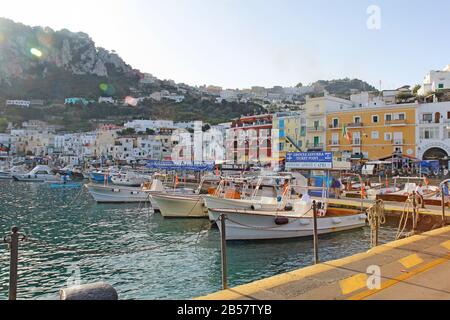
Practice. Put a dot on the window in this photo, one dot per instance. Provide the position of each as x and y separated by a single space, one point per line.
335 123
427 117
448 115
375 135
388 136
388 117
357 120
375 119
429 133
399 116
441 86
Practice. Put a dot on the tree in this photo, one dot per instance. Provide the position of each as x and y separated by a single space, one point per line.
3 125
299 85
416 89
127 132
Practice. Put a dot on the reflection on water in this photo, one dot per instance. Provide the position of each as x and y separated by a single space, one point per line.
141 254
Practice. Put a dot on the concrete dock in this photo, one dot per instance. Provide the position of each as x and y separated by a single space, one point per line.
414 268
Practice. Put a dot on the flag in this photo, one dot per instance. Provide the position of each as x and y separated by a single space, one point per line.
217 171
346 134
177 181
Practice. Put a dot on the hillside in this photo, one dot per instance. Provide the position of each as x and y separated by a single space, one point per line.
342 87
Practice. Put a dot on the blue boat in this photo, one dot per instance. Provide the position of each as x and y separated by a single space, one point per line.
99 177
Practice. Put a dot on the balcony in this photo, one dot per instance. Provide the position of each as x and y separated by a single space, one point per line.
334 143
355 125
334 127
316 129
396 122
315 146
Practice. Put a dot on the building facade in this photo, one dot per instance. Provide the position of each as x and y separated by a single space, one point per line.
373 132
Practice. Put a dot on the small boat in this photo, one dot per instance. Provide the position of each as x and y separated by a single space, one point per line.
7 174
265 194
244 224
129 179
38 174
100 176
430 193
188 204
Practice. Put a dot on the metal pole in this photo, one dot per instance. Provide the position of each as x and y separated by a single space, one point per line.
316 235
444 222
14 257
223 241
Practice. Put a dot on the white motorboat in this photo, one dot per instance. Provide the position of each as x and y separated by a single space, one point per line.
123 194
38 174
282 224
7 174
265 196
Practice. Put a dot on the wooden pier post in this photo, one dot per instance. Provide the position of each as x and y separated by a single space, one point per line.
444 220
316 235
223 243
13 240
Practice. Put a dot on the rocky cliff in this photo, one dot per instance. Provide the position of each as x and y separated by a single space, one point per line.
35 53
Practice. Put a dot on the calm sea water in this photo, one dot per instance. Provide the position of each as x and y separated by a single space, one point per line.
141 254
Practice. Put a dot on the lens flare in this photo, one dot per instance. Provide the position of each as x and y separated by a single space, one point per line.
36 52
131 101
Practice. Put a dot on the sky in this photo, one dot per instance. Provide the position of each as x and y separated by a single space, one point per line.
244 43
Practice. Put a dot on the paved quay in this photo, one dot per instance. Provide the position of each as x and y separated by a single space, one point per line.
413 268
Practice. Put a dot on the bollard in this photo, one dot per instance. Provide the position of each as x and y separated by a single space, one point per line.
89 292
223 243
316 235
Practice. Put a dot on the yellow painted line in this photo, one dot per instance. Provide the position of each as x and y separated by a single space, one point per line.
446 245
411 261
403 277
353 284
300 274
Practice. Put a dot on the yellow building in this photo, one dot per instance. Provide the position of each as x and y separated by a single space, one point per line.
290 127
375 132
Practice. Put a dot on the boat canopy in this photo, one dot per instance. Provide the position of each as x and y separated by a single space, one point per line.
180 166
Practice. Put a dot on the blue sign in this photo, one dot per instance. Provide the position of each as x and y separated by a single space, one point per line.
309 160
180 166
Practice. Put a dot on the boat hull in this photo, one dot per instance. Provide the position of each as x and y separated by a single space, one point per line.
115 194
252 225
183 206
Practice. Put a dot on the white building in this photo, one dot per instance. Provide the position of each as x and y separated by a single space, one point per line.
18 103
435 80
142 125
106 100
433 131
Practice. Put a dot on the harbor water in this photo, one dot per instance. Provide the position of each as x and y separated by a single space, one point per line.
71 240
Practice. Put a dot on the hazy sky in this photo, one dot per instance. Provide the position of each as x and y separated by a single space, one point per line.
240 43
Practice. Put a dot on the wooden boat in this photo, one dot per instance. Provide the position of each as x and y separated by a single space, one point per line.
183 205
431 194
